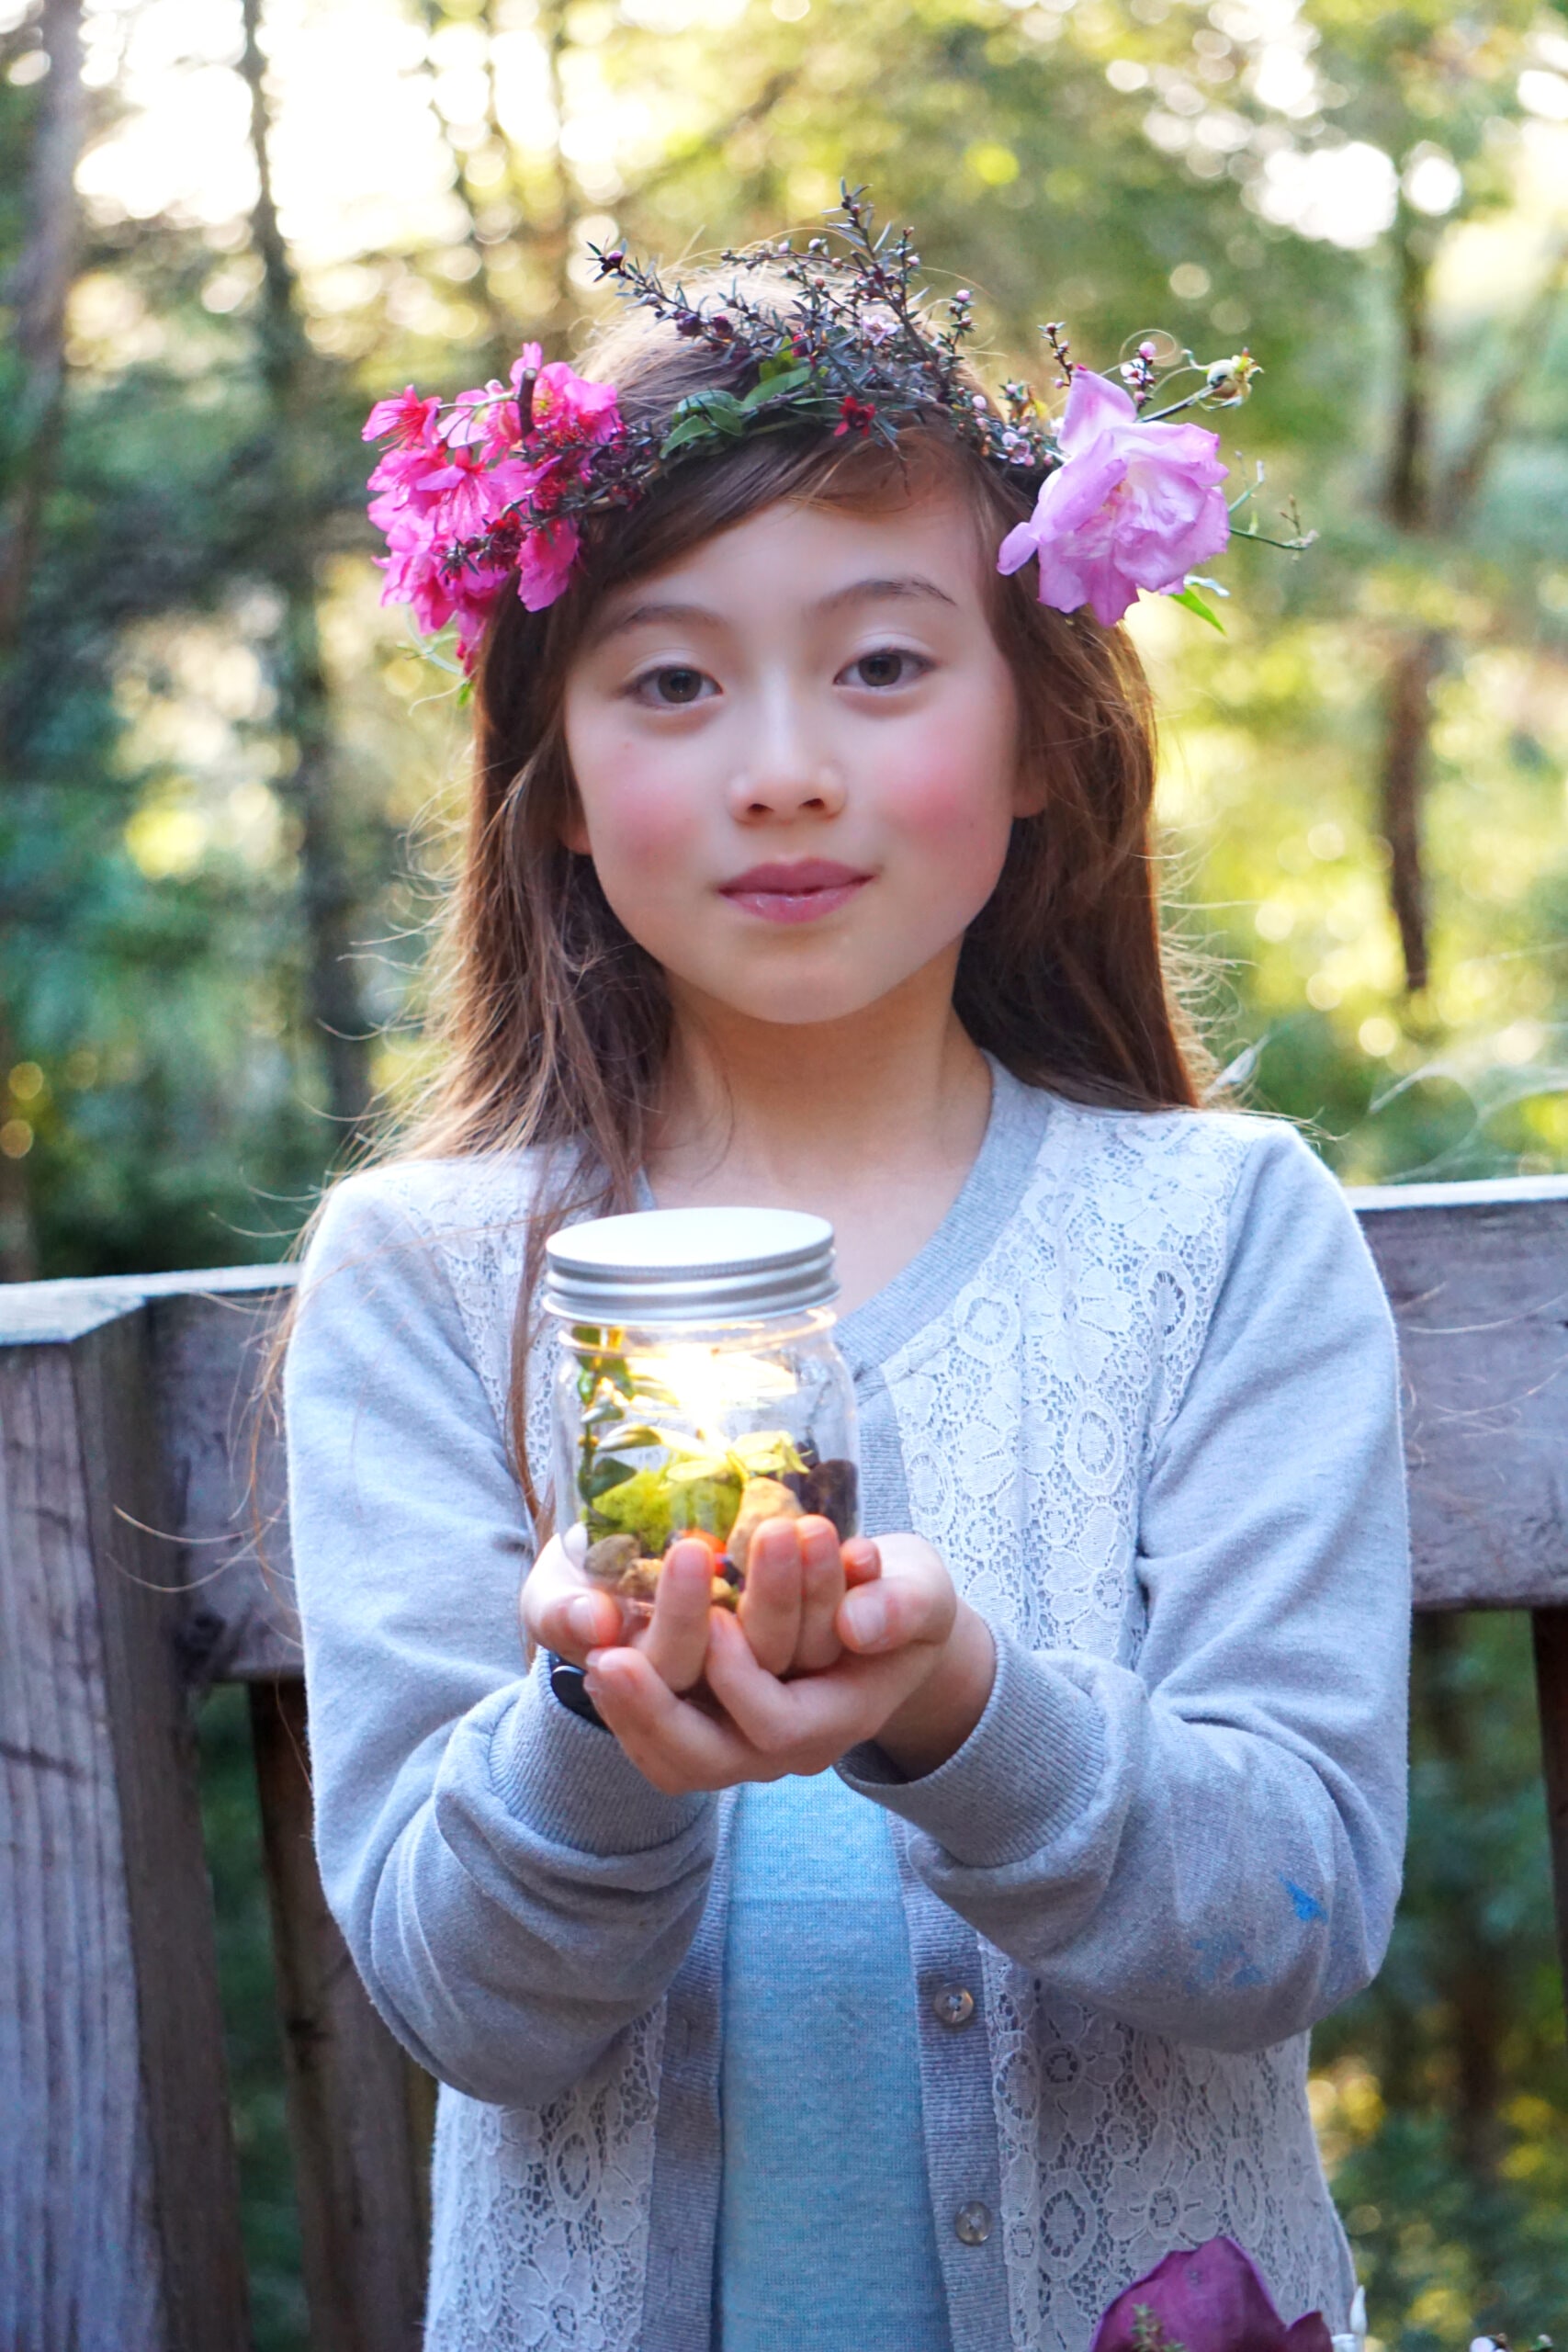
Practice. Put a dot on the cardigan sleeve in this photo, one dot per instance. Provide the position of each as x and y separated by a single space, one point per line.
1208 1843
514 1892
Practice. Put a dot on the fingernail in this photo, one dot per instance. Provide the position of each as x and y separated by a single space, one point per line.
574 1543
865 1616
583 1616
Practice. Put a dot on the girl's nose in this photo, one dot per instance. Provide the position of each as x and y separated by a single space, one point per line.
784 775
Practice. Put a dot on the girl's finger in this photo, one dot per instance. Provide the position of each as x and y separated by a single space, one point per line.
672 1744
562 1611
821 1589
861 1560
805 1725
769 1605
675 1639
912 1600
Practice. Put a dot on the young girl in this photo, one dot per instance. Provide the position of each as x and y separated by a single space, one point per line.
810 865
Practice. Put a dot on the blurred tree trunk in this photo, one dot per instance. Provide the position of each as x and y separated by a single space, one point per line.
1419 502
1407 726
327 897
1418 655
37 291
500 327
553 235
1410 472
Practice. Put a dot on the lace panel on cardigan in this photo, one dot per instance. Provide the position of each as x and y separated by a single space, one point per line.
1027 1419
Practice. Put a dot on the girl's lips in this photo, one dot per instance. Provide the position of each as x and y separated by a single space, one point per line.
794 893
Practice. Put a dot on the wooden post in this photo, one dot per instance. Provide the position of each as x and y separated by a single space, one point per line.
1550 1630
118 2192
359 2110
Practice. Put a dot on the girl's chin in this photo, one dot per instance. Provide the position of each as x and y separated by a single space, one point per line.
792 999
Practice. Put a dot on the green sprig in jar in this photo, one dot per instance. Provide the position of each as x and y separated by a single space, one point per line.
698 1389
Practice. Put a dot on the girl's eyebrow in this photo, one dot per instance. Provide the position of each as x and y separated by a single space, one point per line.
911 584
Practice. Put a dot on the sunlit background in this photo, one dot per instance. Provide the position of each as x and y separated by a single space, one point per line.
231 777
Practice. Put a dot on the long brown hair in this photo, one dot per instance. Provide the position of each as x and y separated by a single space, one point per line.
555 1023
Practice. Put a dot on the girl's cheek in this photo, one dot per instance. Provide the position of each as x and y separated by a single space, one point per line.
644 818
951 806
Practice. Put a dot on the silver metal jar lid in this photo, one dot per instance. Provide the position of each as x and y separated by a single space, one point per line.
690 1266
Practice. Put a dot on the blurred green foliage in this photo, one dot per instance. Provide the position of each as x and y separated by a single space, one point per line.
229 779
254 2034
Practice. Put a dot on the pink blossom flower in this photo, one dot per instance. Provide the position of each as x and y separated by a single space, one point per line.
1133 506
485 419
569 412
545 557
462 497
528 362
1211 2300
408 418
439 583
466 498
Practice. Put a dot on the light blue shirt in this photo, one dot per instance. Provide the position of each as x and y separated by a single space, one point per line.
824 2237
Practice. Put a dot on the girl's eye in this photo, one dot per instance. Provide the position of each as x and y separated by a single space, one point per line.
888 666
671 687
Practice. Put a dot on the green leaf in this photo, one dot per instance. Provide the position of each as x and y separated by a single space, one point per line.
776 386
608 1472
1200 606
690 429
696 418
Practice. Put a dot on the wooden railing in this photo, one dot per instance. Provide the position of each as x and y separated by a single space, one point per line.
131 1581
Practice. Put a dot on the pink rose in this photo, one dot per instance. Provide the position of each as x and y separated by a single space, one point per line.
1133 507
1211 2300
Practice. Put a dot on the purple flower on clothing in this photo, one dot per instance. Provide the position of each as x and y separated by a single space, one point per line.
1132 506
1212 2300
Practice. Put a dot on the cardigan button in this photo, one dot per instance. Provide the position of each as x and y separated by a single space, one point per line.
954 2006
973 2223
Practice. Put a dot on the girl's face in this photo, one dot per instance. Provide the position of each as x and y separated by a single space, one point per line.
795 755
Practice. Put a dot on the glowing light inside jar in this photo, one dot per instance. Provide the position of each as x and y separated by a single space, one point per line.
710 1384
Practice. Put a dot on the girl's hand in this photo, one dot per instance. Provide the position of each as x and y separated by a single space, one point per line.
914 1671
797 1577
560 1610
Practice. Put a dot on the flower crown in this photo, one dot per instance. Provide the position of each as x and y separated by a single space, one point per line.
492 491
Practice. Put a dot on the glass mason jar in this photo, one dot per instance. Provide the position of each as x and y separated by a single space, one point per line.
698 1390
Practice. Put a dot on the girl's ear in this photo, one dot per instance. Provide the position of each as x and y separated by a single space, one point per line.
573 824
1029 792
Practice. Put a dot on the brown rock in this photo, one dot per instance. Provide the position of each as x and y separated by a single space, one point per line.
609 1559
761 1498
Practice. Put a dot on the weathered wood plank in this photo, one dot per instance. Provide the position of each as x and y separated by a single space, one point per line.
1477 1275
118 2192
223 1448
75 2139
359 2110
209 1334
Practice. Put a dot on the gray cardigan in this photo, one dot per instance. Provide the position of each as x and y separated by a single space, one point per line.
1140 1389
